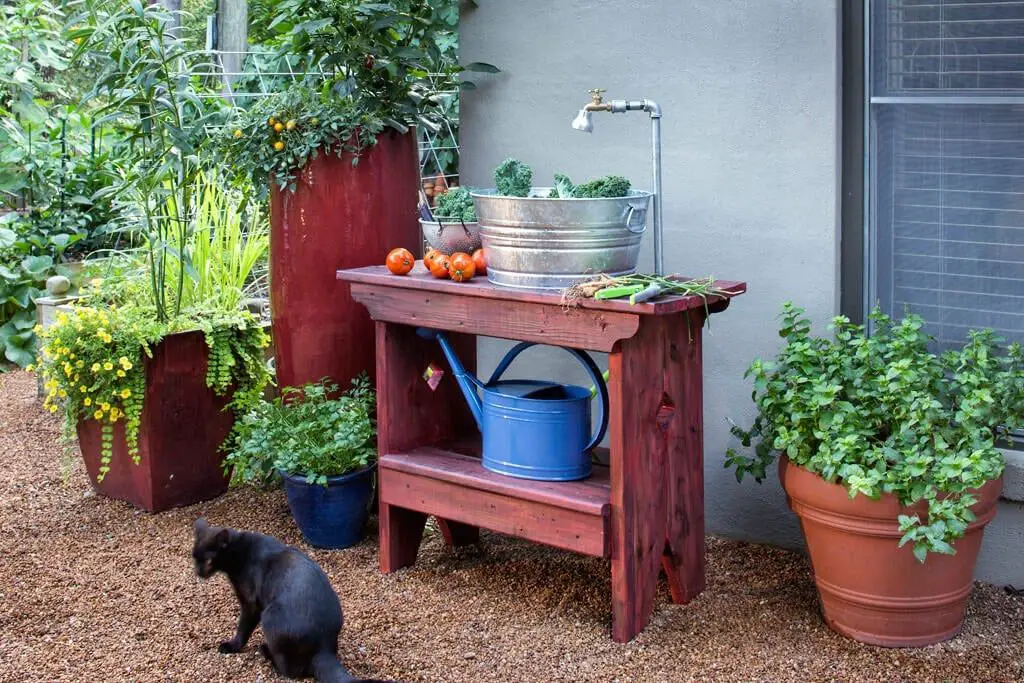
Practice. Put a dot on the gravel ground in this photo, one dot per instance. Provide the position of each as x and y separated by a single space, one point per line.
91 590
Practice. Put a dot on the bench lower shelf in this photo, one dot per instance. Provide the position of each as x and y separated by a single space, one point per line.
452 486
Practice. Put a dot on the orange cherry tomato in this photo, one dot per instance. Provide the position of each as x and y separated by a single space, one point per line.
438 265
461 267
479 261
400 261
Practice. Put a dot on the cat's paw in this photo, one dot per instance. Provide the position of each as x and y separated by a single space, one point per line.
228 647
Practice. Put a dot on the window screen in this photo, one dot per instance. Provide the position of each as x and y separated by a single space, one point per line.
946 163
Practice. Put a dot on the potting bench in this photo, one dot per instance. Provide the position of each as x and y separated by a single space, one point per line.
644 512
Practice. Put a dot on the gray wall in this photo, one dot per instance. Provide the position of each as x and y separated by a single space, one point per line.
750 92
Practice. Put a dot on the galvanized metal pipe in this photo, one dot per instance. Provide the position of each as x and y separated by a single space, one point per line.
652 108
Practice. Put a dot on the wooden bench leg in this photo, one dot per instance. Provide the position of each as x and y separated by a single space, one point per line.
684 474
401 531
638 500
457 534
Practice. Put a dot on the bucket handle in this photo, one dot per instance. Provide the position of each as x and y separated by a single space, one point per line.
641 226
591 367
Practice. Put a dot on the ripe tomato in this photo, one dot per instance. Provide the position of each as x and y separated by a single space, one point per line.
400 261
438 265
461 268
479 261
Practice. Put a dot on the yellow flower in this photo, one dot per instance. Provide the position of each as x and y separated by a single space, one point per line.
75 378
53 409
104 406
126 364
120 373
72 356
238 133
95 367
63 394
87 401
126 393
108 366
82 389
279 145
291 124
114 414
30 367
98 415
79 364
278 127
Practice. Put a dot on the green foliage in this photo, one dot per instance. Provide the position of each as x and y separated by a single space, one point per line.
563 188
513 178
93 364
311 123
455 204
227 240
144 85
882 414
305 433
606 186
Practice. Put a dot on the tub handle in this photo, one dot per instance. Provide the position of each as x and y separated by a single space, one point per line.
641 225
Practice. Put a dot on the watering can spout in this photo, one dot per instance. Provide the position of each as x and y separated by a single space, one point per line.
467 382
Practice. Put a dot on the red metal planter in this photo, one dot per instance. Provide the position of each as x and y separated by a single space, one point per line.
182 427
871 589
340 216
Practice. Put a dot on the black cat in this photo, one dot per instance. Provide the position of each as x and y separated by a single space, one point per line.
283 588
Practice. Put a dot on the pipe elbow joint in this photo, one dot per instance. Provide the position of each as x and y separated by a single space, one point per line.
652 108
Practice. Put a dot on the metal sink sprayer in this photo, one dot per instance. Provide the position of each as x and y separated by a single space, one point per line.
584 122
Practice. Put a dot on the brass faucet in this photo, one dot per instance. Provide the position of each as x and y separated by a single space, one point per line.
595 103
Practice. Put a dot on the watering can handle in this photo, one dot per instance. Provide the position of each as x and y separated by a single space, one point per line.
595 374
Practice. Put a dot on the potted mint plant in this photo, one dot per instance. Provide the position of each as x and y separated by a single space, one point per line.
888 454
323 448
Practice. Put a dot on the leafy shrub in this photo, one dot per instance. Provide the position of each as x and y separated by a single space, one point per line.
882 414
307 433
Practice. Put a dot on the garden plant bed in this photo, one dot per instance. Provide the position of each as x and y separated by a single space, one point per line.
92 590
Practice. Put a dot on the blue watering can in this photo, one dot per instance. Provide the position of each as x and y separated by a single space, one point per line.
532 429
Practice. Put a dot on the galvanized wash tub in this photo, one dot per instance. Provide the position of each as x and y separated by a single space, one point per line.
539 243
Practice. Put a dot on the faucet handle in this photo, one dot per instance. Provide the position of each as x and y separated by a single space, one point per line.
595 94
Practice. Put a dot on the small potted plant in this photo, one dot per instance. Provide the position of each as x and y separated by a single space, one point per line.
888 454
323 448
451 227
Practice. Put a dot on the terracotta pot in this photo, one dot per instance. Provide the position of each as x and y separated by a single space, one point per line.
340 216
871 589
182 426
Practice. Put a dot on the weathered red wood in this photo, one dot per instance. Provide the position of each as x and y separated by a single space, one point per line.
340 215
401 531
651 504
683 559
479 288
557 526
182 427
457 534
638 485
589 496
452 310
409 413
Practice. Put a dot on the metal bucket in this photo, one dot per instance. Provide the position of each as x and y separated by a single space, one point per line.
539 243
450 237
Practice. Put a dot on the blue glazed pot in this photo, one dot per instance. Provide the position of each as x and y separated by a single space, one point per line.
332 516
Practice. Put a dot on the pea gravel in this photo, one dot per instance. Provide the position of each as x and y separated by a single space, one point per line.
91 590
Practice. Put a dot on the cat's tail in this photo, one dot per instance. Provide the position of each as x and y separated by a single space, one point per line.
327 669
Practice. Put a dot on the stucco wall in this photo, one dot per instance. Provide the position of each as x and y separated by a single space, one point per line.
750 93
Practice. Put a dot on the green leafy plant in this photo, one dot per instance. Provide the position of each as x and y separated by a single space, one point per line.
883 414
456 205
513 178
93 364
305 432
279 135
606 186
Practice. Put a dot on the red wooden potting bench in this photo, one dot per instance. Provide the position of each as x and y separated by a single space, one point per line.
644 512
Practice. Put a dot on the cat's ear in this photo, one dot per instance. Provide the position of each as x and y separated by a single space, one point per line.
201 525
223 536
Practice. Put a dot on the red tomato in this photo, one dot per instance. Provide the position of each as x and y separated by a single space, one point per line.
400 261
479 261
461 267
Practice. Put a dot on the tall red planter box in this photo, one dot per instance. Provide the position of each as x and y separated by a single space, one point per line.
339 216
183 425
